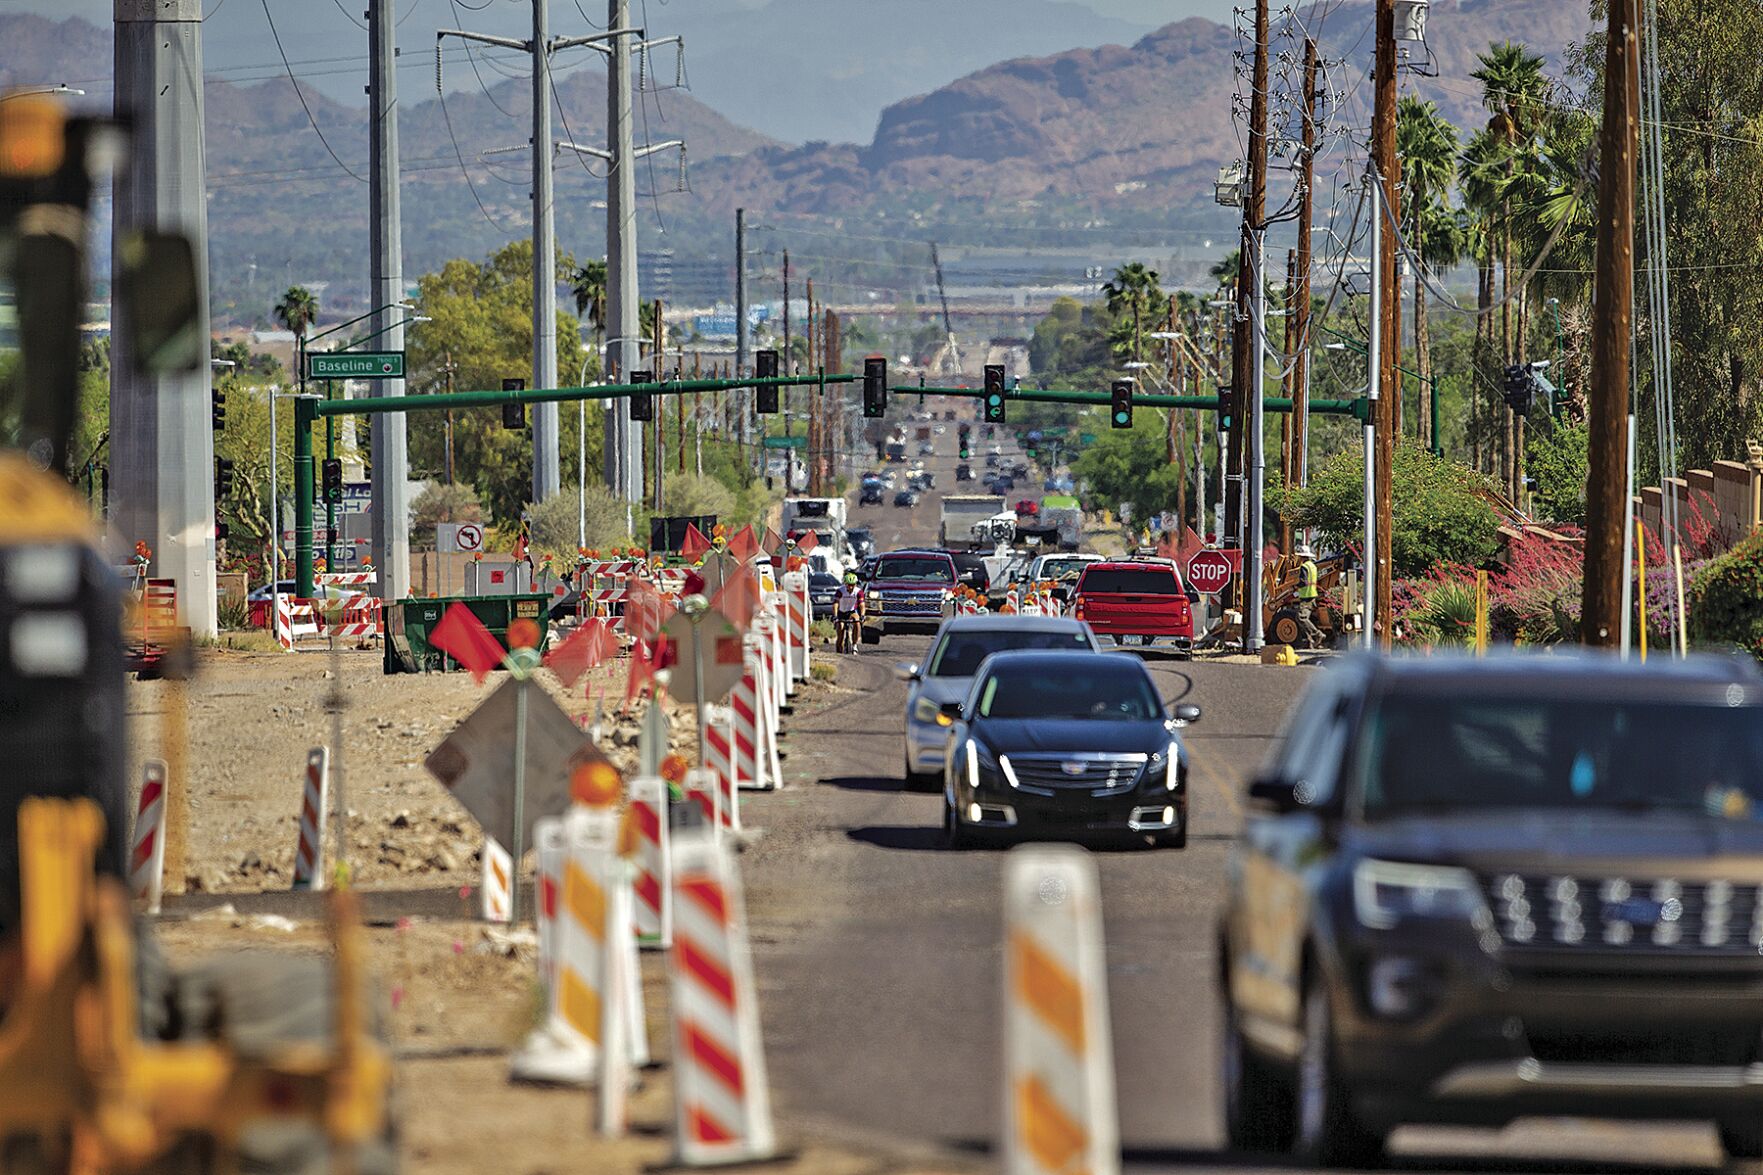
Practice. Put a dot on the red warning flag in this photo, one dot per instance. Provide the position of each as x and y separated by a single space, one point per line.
646 661
644 611
807 542
694 546
744 545
585 648
463 637
738 598
772 542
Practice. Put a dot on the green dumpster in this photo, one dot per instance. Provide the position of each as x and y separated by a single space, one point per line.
409 623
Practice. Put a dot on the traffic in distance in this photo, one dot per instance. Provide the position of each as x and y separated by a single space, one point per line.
1462 892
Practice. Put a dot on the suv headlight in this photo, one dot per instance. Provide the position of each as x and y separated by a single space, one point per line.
1385 892
1165 764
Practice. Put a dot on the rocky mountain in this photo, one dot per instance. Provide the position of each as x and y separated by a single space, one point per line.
1119 135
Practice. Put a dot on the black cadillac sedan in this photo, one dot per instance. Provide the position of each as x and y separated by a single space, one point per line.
1064 744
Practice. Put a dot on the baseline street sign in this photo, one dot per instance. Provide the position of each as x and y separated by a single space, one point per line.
355 365
784 443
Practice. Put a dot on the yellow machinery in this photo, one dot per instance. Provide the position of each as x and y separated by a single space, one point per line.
1280 593
83 1088
75 1074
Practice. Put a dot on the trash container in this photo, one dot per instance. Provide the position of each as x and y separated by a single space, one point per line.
409 623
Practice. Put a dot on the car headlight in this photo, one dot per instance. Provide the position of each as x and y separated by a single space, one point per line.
1167 761
980 761
927 711
1385 892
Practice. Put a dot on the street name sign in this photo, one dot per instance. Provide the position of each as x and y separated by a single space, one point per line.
355 365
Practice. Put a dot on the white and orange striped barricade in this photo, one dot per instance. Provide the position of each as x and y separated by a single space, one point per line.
359 618
799 610
750 702
147 843
550 849
1059 1108
354 579
565 1048
722 1099
296 620
716 786
496 881
315 807
652 911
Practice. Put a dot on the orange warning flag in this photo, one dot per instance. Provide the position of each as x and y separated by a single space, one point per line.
738 598
744 545
463 637
694 546
807 542
586 647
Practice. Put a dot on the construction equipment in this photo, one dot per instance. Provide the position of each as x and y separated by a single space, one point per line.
108 1060
1333 614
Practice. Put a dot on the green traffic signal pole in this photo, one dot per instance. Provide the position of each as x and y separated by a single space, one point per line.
1356 408
308 408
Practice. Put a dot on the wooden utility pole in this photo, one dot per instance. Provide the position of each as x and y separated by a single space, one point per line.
1612 319
1289 385
1243 331
1383 158
1300 414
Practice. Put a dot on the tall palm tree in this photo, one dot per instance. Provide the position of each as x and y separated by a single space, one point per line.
1137 291
588 284
297 310
1515 95
1481 170
1426 145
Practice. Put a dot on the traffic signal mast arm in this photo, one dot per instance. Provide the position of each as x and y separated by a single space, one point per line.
1355 407
369 405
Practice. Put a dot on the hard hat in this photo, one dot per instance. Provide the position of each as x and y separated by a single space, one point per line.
1304 550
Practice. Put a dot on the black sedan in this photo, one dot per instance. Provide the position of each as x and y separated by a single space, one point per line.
1064 743
823 591
906 498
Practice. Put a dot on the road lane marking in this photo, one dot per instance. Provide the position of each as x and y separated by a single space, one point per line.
1201 766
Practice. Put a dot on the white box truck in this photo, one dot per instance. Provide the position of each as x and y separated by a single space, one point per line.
825 517
961 511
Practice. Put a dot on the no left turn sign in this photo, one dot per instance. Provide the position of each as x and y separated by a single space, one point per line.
471 537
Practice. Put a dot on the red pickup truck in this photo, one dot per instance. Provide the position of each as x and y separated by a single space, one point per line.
1135 604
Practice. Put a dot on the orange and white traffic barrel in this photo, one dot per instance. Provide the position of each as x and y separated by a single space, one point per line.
315 805
495 882
652 910
147 845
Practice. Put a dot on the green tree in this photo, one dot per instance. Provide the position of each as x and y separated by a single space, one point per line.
1130 468
1426 144
297 310
481 319
1440 515
1557 456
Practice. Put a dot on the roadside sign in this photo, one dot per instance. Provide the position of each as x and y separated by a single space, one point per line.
721 649
459 537
1209 571
784 443
355 365
475 762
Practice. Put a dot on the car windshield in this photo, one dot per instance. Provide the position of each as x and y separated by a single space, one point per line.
1062 568
1423 753
908 567
960 651
1102 691
1147 581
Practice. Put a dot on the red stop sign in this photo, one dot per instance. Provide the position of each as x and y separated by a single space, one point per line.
1209 571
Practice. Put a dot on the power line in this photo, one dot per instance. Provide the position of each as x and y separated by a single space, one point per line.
296 84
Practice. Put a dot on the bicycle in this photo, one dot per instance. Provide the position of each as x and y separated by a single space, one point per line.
845 632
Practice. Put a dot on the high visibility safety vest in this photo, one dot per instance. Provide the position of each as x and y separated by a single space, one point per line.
1307 580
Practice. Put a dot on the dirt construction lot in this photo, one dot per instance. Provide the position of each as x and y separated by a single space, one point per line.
463 993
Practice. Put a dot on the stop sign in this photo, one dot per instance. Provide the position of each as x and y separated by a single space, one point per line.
1208 571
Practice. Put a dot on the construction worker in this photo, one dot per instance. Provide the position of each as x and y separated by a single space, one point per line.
1312 636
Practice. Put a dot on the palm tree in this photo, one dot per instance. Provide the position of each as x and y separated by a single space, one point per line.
1136 290
1515 93
588 284
297 310
1426 145
1480 178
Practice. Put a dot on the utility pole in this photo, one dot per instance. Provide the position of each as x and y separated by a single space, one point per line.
1383 159
162 440
1289 384
1601 611
545 434
391 462
625 438
1373 389
741 404
1249 400
1301 325
658 353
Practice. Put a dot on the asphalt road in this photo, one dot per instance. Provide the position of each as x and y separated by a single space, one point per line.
878 951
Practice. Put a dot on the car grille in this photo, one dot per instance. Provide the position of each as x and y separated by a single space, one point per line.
1639 1044
1618 913
1097 773
911 604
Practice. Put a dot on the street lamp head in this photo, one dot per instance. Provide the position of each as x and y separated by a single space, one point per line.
1334 346
1163 334
419 318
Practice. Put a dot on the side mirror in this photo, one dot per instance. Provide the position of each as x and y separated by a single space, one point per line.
1279 794
1184 714
950 710
906 671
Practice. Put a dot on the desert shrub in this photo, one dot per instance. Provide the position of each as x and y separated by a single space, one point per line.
1725 599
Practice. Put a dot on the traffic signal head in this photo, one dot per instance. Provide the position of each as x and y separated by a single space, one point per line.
875 386
217 401
514 413
1519 391
642 405
765 367
223 477
994 404
333 479
1120 404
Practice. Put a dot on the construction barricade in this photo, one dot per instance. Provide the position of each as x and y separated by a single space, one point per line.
722 1099
1059 1108
496 882
315 806
147 844
800 609
652 911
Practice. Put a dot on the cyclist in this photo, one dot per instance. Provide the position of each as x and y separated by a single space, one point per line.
848 612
